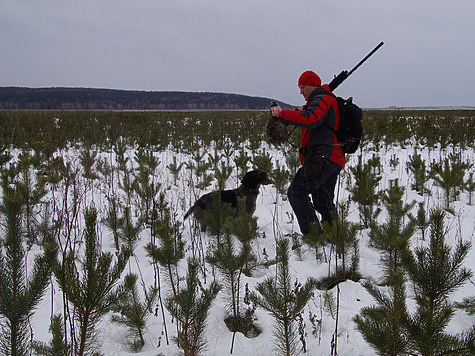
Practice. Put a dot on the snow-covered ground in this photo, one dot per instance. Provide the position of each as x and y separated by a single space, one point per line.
271 208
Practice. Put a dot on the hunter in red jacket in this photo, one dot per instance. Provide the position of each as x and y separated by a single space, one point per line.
320 154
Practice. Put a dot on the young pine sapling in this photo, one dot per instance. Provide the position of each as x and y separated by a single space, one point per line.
436 272
284 302
92 284
19 294
190 307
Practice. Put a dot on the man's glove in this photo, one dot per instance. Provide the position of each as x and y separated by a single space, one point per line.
276 129
275 110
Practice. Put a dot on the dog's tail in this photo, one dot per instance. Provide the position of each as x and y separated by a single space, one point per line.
189 212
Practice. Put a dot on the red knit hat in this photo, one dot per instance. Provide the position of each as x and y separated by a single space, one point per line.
310 78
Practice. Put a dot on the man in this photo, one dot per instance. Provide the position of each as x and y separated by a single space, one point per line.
320 154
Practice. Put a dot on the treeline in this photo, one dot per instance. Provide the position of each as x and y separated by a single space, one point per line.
111 99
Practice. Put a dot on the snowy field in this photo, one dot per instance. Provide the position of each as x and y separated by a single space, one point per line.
324 323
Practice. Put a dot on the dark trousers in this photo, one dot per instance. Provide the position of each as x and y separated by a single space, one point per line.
322 190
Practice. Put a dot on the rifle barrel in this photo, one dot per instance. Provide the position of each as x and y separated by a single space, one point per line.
365 58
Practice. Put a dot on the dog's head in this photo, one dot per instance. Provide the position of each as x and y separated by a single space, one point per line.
253 179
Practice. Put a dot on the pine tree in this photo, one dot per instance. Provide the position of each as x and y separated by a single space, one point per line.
88 159
5 155
32 191
171 249
382 325
422 221
146 187
96 288
112 220
222 174
214 219
436 272
394 161
126 184
364 190
228 149
133 312
18 296
315 239
263 161
199 167
392 238
244 227
58 346
231 264
233 256
175 169
241 160
285 303
449 176
280 179
417 167
190 308
468 337
342 234
128 231
214 159
293 162
470 187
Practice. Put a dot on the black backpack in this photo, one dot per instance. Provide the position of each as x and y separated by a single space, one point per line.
350 131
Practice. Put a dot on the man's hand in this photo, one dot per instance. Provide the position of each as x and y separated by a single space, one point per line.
275 111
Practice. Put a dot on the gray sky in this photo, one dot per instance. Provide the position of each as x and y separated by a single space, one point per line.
251 47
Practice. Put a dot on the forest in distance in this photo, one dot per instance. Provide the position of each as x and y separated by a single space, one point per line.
92 233
18 98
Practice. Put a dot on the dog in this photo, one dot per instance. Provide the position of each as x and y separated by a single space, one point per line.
249 189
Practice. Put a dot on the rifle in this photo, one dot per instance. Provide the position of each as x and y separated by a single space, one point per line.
345 74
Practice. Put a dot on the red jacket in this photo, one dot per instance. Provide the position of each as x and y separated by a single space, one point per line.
318 123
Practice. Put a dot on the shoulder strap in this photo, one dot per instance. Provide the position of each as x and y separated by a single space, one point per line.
337 103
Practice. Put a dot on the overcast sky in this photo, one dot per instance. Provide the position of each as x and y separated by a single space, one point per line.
251 47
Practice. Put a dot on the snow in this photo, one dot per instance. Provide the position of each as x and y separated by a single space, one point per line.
351 296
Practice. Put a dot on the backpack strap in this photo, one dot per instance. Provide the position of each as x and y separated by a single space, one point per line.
336 98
